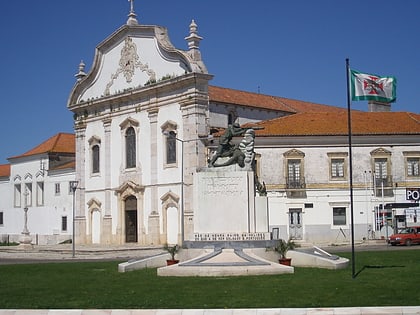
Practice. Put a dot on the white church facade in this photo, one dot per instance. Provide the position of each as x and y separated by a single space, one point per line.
143 117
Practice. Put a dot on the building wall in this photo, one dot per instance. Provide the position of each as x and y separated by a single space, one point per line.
322 193
44 220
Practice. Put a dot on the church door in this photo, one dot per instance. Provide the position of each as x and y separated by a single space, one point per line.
131 220
295 223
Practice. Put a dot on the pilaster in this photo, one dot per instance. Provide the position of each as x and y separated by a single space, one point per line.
80 216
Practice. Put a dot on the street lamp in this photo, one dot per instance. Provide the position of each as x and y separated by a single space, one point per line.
172 135
73 186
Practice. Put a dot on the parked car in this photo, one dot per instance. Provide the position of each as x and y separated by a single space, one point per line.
409 235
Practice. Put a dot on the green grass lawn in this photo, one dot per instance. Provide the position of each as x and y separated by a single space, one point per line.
388 278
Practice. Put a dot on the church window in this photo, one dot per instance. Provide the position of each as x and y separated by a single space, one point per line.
95 159
171 148
1 218
95 154
169 144
130 147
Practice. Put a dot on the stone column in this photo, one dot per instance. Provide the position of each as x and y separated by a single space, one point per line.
80 218
194 125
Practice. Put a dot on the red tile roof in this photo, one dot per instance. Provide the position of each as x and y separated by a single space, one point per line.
4 170
262 101
60 143
328 123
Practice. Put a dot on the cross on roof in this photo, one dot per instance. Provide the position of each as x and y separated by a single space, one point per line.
131 5
132 16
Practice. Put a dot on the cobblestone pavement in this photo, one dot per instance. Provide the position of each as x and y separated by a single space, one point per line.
126 252
64 252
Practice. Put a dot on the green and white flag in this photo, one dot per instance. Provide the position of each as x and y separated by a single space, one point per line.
372 87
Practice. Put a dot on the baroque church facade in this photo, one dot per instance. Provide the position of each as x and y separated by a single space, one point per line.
143 119
139 90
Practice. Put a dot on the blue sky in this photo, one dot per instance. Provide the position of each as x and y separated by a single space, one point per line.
294 49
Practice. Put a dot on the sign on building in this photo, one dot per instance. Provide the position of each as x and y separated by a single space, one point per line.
412 194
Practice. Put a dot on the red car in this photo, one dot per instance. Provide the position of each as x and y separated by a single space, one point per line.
407 236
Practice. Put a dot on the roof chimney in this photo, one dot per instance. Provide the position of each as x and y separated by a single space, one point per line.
376 106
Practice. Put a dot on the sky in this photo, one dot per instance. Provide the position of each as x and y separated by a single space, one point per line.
295 49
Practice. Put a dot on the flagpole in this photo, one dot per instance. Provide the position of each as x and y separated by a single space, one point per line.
350 169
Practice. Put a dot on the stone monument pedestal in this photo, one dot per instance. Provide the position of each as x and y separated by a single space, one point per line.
25 240
227 209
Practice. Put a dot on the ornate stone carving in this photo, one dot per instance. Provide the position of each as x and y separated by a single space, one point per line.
128 63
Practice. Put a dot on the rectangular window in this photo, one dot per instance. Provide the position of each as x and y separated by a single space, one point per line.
57 188
383 178
381 170
339 216
337 168
413 166
95 159
130 148
18 195
40 193
293 173
1 218
170 149
64 223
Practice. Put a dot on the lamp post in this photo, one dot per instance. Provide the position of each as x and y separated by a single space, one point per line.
172 135
73 186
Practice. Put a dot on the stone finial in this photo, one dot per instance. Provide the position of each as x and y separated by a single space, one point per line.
132 17
81 74
193 39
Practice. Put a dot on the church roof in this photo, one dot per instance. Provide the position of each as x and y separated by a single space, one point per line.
262 101
60 143
336 123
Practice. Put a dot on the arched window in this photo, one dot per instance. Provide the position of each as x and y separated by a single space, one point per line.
95 159
130 148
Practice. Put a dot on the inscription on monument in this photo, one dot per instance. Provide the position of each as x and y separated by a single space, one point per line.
225 186
245 236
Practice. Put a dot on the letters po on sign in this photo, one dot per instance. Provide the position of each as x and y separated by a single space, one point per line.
412 194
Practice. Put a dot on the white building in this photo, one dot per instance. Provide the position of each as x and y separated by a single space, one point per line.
135 184
304 161
39 180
